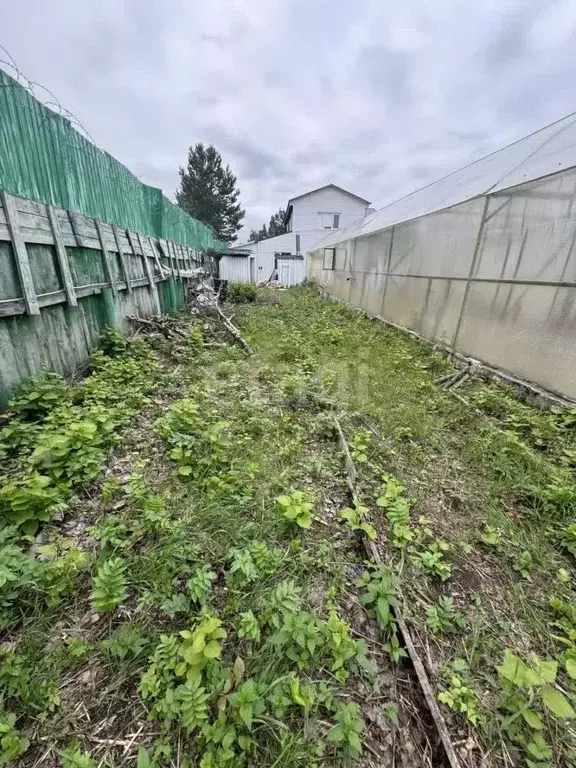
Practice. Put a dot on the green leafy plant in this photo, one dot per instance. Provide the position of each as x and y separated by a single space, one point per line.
200 645
125 642
243 569
249 626
199 441
284 599
299 637
39 396
74 757
432 559
249 701
297 506
109 585
77 649
525 685
397 506
354 519
190 704
113 533
200 584
394 648
60 574
567 538
492 536
522 565
391 712
359 446
347 729
267 560
19 573
29 501
443 619
175 604
12 744
381 585
461 698
240 293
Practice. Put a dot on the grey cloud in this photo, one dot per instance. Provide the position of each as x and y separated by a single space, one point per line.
379 98
387 72
510 42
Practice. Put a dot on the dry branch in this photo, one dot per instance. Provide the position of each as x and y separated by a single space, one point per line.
160 324
233 331
204 300
372 551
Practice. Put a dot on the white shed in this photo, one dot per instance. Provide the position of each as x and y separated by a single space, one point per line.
291 270
238 267
264 253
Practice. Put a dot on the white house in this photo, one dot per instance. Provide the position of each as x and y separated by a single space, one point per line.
308 218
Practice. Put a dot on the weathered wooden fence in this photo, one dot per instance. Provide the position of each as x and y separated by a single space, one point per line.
65 276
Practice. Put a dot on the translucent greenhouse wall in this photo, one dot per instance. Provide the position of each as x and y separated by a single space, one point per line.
493 277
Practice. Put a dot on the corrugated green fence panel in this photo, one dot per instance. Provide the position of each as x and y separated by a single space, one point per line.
42 157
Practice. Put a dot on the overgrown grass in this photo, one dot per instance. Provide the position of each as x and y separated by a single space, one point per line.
200 598
498 497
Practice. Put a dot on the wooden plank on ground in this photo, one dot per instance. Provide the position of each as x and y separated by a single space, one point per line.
21 255
62 256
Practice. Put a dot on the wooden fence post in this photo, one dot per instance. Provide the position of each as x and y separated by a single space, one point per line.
149 275
62 256
122 258
156 258
106 257
21 255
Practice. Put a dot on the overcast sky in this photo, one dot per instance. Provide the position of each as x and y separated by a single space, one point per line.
379 97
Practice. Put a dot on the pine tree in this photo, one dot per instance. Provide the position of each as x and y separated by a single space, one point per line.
208 192
275 227
258 234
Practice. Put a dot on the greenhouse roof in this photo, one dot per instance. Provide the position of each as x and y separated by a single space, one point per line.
547 151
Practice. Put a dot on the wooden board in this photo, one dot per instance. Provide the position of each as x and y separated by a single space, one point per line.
21 255
106 258
62 257
122 258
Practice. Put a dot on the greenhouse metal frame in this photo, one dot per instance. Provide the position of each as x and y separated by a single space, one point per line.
482 260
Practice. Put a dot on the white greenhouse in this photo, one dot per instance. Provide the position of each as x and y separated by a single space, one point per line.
482 260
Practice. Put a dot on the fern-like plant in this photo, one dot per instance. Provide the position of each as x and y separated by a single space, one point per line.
109 585
200 583
191 699
397 508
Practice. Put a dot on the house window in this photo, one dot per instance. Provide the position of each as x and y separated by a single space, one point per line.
329 257
329 220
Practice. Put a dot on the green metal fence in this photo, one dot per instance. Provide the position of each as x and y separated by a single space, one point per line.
42 157
83 243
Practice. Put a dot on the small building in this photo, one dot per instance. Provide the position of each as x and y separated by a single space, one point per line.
308 218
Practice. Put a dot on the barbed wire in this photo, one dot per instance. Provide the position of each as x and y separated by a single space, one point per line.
79 140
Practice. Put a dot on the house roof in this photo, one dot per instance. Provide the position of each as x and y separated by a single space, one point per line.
289 207
329 186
